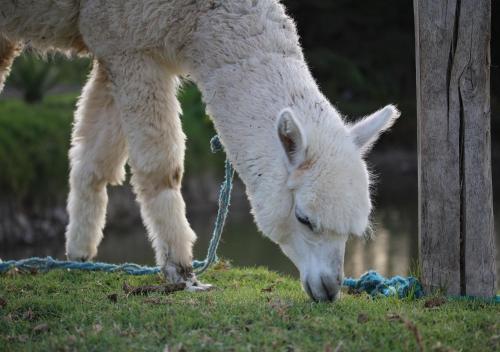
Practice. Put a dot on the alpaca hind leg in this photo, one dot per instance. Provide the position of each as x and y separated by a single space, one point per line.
146 96
98 155
8 52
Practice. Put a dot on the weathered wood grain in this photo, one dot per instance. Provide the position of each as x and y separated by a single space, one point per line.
455 194
438 147
473 80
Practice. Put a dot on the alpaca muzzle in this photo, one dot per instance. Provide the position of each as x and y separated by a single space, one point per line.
323 287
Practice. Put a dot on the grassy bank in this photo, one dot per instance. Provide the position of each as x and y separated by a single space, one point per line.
251 309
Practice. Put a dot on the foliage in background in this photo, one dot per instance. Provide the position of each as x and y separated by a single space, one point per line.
34 142
358 50
35 76
199 130
33 147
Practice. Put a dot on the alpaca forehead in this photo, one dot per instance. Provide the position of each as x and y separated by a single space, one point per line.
336 163
340 193
329 140
336 188
331 169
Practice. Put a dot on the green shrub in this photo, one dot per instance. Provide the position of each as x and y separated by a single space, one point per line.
199 130
34 142
34 76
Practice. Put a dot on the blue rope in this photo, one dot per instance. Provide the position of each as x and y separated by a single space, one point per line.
375 285
48 263
224 200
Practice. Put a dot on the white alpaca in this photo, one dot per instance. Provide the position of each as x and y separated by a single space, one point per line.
301 163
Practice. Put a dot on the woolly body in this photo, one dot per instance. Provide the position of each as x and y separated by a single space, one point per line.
300 162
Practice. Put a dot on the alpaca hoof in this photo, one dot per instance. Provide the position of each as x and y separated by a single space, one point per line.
77 258
80 255
196 286
176 273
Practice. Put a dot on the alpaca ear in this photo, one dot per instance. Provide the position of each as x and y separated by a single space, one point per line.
292 137
366 131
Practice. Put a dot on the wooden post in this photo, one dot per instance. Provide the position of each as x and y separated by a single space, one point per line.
456 241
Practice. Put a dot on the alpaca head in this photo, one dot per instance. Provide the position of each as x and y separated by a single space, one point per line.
324 197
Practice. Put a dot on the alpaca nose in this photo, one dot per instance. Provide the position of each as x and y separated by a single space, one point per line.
323 287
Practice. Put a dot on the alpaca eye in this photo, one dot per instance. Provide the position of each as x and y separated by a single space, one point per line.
303 219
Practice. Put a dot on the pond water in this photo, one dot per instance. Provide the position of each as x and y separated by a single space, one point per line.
393 249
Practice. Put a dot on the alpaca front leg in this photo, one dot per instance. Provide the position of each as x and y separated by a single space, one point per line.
163 212
146 94
97 156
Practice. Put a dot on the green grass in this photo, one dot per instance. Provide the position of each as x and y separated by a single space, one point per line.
251 309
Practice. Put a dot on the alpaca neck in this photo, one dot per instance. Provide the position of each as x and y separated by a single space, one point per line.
247 61
244 100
